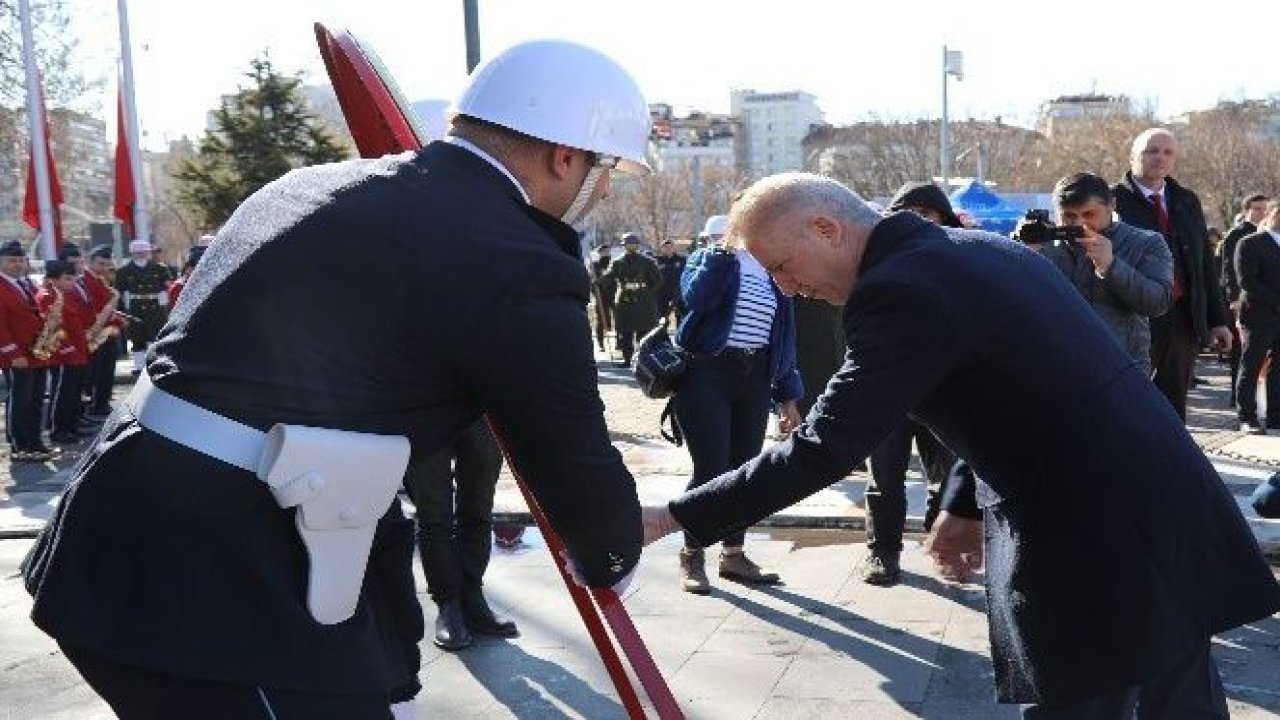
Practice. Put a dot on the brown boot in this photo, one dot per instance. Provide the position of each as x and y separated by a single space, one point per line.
693 572
737 566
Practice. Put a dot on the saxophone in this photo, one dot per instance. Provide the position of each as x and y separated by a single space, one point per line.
100 331
51 334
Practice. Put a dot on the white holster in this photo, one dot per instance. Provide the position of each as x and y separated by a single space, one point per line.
341 482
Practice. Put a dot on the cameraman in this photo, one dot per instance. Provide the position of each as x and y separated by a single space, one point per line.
1124 272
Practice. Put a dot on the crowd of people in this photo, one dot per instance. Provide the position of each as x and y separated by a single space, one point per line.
249 480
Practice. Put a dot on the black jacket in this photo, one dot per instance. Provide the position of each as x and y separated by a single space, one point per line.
1258 267
405 295
1189 241
1229 279
937 326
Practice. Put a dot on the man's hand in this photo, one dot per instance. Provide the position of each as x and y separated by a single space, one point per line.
658 522
1221 337
955 546
789 417
20 362
1097 247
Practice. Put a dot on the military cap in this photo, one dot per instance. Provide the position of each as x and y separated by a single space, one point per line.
58 268
69 250
101 251
12 248
630 239
1266 497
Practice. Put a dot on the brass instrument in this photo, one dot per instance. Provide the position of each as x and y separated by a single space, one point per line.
51 333
100 331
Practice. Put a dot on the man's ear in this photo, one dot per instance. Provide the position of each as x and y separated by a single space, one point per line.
827 228
560 161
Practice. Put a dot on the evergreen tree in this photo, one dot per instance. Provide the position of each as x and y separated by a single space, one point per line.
260 133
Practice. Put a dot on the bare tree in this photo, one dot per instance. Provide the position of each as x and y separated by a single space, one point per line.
1226 154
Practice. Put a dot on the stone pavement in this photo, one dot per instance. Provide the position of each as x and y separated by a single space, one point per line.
822 646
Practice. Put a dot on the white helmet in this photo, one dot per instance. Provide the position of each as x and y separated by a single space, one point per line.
716 225
564 93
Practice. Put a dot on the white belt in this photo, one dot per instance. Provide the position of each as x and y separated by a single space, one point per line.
192 426
131 296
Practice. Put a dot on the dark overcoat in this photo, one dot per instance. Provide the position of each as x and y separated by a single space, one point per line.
1113 547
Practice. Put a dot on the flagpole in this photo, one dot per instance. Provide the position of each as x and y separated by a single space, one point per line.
141 221
35 121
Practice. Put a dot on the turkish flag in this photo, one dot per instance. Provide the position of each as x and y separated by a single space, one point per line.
30 201
124 195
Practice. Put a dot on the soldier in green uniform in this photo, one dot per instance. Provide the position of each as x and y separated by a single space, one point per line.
635 308
142 283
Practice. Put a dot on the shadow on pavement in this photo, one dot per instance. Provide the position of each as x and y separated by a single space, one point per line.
531 687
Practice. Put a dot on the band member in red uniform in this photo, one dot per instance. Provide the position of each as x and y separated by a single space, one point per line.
108 324
20 325
66 317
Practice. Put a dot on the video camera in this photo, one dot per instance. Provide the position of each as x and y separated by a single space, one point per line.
1036 229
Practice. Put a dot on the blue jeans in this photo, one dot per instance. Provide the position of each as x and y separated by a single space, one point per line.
722 406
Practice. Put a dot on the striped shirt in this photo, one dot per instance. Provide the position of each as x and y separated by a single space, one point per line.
755 307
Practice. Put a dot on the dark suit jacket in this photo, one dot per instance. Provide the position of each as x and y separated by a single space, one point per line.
405 295
1229 280
1258 268
1189 242
988 345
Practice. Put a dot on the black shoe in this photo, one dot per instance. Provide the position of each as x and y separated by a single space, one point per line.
1252 426
451 630
881 569
480 618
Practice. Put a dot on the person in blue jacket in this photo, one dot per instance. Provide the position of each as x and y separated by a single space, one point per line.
740 332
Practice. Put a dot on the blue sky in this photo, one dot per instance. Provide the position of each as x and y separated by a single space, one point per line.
882 61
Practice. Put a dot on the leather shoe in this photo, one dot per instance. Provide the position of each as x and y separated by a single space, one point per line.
481 619
737 566
1252 426
882 569
451 630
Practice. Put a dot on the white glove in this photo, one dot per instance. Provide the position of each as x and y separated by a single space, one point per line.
162 298
402 710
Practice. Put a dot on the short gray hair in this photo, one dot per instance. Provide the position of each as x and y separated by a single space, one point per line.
781 196
1144 137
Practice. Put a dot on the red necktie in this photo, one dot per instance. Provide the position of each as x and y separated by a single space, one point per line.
1162 217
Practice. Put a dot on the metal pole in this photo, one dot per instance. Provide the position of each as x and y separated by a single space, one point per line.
471 22
946 141
35 123
141 220
982 170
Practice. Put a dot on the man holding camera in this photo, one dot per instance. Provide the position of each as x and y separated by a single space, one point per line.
1124 273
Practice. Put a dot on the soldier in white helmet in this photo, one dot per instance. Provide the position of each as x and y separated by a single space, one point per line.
208 560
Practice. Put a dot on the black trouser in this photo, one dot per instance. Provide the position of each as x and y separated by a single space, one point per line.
886 488
1173 354
629 331
1259 339
102 374
1191 690
604 315
722 406
139 694
23 411
65 403
453 493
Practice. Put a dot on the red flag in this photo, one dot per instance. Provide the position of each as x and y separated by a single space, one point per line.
30 202
124 196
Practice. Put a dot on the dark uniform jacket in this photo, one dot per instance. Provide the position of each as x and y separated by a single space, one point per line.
1258 265
1192 261
141 288
1085 466
636 300
669 269
469 301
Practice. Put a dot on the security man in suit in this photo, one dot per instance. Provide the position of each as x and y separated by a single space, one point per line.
941 321
1148 198
635 306
602 291
142 283
670 268
1258 269
257 564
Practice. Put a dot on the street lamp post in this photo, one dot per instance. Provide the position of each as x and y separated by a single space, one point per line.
471 27
952 64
